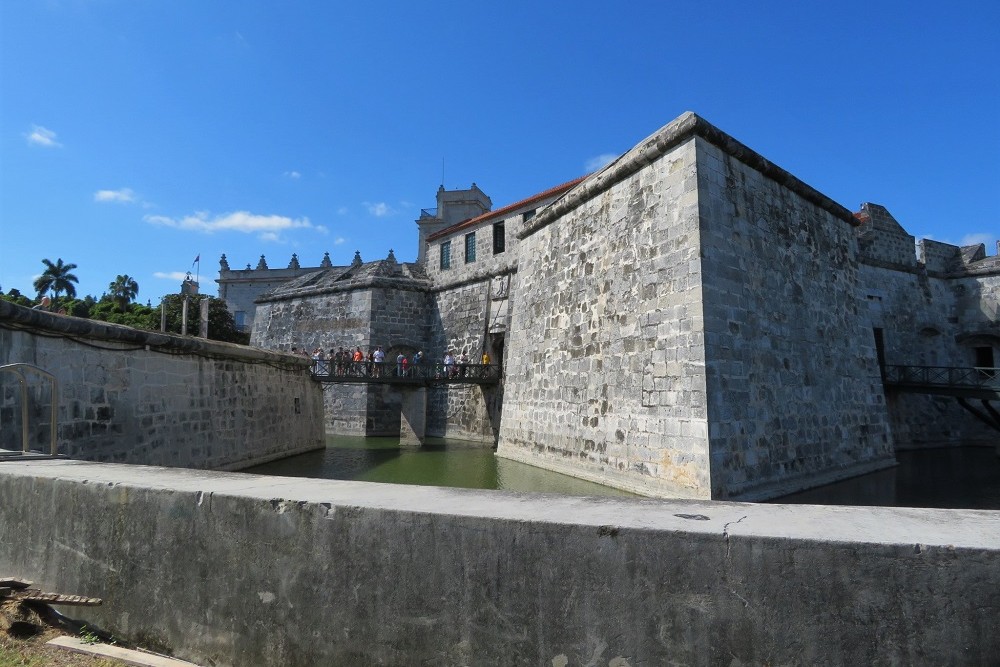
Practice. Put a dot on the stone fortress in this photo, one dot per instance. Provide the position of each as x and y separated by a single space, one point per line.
689 321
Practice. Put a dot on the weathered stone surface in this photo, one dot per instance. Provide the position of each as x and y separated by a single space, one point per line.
132 396
691 320
318 572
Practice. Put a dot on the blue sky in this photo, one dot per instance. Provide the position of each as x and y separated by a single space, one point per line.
135 136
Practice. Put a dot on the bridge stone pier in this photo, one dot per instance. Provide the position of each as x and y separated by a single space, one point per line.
231 569
413 416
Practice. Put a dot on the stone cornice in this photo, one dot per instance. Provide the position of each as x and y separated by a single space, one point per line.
678 131
374 282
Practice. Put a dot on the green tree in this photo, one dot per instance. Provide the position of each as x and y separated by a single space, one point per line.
135 315
56 278
15 297
123 291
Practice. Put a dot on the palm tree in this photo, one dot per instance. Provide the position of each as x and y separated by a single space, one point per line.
123 290
56 278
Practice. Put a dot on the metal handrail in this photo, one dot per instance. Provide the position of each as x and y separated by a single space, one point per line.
943 376
18 369
392 372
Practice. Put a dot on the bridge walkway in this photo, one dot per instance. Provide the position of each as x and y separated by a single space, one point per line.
964 384
420 375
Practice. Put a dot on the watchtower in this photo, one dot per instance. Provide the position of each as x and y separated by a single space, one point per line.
453 206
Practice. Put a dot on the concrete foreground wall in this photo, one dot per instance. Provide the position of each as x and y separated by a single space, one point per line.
134 396
230 569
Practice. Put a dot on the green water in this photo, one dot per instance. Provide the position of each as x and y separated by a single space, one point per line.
957 477
439 463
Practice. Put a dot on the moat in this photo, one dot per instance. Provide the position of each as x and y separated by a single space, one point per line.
954 477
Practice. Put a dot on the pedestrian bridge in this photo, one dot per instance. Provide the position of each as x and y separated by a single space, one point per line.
421 375
962 383
412 382
983 383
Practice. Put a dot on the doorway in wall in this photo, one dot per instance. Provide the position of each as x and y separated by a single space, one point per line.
984 357
880 347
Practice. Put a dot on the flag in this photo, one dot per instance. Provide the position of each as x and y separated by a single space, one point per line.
196 259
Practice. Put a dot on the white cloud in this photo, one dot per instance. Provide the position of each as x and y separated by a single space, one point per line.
294 175
123 196
267 227
41 136
599 162
340 240
379 209
976 239
342 210
171 275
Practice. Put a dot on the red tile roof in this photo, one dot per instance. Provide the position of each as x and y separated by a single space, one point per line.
500 212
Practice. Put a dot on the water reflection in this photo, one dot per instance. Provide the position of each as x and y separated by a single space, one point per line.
959 477
953 478
438 463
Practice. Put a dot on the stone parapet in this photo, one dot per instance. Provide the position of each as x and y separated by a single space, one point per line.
143 397
240 570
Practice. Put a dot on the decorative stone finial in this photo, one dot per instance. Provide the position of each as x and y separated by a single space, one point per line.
392 257
248 267
326 263
294 264
262 265
223 264
357 259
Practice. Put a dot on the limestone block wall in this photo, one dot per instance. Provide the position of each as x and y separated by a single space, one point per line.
460 319
364 313
794 389
884 241
978 308
937 257
320 572
332 320
487 263
915 312
606 368
923 319
139 397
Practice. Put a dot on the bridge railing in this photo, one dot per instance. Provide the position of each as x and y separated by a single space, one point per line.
943 376
326 370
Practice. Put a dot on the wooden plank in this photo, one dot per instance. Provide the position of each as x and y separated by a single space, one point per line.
14 582
31 595
128 656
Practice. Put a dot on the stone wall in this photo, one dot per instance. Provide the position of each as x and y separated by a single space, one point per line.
235 570
685 323
487 263
370 305
460 321
330 321
927 318
937 257
606 366
140 397
794 388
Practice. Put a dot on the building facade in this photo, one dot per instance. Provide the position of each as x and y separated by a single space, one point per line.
689 321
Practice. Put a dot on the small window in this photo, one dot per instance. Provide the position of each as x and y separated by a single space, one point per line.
470 248
240 317
499 238
446 255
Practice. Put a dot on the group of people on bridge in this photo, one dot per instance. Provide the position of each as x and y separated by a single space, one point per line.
347 363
